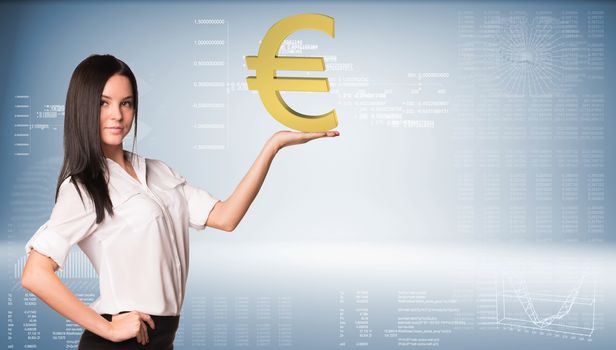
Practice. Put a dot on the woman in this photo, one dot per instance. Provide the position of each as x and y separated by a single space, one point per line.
129 214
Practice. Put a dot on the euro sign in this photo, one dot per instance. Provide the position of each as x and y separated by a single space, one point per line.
269 85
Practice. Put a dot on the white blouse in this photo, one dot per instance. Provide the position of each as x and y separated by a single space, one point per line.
141 253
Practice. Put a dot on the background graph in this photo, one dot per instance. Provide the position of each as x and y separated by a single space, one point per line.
562 302
466 203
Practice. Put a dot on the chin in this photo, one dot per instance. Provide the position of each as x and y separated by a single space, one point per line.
114 142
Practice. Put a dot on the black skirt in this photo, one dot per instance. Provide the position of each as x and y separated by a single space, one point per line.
160 338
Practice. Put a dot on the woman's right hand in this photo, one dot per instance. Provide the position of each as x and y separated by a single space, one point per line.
129 325
286 138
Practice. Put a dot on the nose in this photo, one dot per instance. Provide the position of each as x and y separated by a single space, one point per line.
115 113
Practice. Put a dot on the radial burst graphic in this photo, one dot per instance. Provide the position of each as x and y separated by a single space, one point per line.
531 54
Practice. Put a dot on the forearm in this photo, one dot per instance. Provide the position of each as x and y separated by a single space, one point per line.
240 200
48 287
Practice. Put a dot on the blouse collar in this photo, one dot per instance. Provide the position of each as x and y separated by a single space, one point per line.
137 161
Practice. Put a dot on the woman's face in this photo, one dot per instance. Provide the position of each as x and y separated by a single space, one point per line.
117 110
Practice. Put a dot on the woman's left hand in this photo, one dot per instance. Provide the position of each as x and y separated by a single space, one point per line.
287 138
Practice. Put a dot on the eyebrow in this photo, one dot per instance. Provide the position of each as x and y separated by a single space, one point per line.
125 98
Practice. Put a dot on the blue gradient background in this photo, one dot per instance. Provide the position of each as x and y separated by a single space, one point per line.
371 211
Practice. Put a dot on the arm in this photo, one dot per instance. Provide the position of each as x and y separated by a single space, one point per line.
39 277
226 215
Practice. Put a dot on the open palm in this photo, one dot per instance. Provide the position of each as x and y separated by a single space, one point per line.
288 138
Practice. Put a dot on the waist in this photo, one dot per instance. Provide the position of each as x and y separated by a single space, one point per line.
161 338
114 303
162 323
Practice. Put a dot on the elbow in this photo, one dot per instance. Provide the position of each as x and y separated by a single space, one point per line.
24 284
32 278
223 225
36 272
228 228
26 280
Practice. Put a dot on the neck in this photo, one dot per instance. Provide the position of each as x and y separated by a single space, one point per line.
115 153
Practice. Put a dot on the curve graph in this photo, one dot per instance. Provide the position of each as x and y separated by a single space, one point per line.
547 307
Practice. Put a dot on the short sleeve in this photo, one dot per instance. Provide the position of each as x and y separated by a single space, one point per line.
199 202
200 205
71 221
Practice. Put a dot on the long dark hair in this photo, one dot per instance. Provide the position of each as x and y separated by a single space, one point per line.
84 159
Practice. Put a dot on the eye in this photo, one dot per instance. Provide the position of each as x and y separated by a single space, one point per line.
103 102
127 103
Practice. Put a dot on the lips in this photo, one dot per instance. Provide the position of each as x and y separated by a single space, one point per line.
115 130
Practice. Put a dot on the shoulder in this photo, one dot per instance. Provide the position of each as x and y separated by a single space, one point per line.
73 195
69 186
157 165
160 171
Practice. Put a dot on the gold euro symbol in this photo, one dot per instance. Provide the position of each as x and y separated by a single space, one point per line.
269 85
